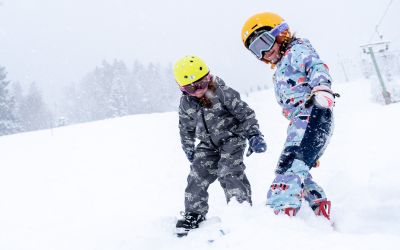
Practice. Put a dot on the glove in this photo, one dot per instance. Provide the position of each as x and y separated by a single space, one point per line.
323 97
256 144
189 154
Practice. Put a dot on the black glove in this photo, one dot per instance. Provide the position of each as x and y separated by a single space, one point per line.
189 154
256 144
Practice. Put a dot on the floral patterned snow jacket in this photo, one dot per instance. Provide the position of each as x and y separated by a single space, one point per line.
297 73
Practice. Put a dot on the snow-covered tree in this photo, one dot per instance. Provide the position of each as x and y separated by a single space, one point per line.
136 88
112 90
118 98
8 120
170 92
33 111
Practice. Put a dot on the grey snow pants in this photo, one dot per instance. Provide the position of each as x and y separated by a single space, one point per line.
224 163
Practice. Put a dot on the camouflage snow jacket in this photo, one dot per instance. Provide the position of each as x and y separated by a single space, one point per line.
297 73
228 117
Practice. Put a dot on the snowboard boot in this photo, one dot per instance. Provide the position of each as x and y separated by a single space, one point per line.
316 198
322 208
188 222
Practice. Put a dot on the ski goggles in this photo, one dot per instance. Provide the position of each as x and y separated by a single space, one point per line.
196 86
265 41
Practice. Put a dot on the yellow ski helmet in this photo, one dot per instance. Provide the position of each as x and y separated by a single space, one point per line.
189 69
260 20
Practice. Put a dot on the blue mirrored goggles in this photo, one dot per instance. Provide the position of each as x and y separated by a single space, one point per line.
265 41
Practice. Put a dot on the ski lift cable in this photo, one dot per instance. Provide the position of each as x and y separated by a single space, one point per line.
380 21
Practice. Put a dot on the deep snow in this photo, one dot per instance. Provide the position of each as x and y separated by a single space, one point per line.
118 184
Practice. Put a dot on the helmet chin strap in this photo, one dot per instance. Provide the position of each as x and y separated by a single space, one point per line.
273 65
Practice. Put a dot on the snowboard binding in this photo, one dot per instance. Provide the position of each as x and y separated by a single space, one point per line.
189 221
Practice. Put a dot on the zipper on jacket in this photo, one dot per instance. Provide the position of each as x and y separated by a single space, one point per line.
206 128
204 121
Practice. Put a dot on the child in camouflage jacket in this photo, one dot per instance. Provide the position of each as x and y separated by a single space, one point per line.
214 114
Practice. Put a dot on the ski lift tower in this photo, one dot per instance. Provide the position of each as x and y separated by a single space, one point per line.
370 49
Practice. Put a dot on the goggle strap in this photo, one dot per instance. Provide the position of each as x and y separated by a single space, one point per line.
278 29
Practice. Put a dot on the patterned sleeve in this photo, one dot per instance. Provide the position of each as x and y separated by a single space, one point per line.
307 60
187 125
242 112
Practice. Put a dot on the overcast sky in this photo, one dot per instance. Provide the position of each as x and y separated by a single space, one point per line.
56 42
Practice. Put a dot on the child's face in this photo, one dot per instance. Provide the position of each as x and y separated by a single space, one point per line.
273 56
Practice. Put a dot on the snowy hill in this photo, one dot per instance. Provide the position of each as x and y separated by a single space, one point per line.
118 184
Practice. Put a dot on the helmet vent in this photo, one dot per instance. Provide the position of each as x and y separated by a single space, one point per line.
186 77
191 61
254 27
201 68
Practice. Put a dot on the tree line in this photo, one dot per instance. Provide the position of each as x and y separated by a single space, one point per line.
110 90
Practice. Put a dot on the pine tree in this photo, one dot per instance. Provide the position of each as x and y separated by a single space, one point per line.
8 121
152 87
170 93
94 89
136 88
118 98
111 90
33 111
72 106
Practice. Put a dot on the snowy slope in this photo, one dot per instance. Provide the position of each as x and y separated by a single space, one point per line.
118 184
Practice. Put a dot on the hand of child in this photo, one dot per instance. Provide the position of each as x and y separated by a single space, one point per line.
256 144
323 97
189 154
